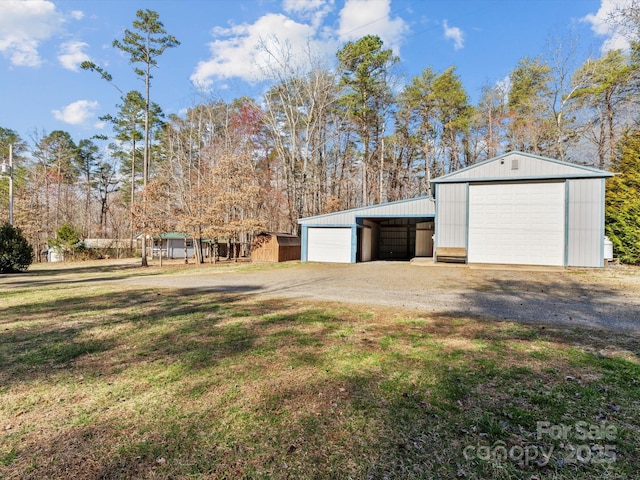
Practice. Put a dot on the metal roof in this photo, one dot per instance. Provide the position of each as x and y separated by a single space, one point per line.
172 236
520 166
283 239
414 207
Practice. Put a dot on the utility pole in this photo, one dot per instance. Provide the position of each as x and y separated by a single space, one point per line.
11 184
8 170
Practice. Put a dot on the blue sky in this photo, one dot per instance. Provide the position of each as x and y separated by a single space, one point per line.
42 43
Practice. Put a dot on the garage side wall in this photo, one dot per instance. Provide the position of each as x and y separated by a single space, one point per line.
451 215
585 223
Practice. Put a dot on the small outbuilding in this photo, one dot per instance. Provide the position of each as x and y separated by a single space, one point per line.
516 208
173 245
54 254
275 247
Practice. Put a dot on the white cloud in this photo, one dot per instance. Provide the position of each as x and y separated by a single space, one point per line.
455 34
237 51
602 26
77 14
371 17
76 113
71 55
297 6
313 10
23 25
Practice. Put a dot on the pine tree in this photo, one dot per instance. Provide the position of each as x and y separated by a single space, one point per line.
15 252
365 68
144 44
622 210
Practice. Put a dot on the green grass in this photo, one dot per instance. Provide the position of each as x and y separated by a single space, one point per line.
101 381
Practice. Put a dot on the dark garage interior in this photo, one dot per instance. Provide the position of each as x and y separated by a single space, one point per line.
395 238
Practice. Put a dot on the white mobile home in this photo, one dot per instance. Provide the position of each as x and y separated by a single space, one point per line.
173 245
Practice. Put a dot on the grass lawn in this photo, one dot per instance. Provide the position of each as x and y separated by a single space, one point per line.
101 381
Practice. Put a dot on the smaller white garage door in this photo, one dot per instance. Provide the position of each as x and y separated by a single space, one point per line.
517 223
326 244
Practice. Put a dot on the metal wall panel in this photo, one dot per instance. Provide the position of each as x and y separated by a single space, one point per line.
585 223
345 218
518 166
451 219
525 167
422 206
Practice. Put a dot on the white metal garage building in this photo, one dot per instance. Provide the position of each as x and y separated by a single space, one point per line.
523 209
517 208
391 231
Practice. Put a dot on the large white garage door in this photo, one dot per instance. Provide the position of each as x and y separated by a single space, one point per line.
329 244
517 223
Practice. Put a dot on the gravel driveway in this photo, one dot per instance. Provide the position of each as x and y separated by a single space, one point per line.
599 298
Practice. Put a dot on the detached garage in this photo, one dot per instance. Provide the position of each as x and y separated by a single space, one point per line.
522 209
517 208
391 231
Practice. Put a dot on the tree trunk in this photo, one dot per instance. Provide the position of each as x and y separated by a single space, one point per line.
427 169
198 250
601 144
186 257
133 187
146 151
612 140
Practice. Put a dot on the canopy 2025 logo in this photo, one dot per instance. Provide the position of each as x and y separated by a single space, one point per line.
594 447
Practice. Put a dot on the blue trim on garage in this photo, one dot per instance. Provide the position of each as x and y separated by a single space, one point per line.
413 215
375 217
602 220
354 243
304 241
435 225
466 224
329 225
567 193
530 178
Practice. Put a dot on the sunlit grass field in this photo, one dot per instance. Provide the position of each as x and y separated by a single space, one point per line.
98 380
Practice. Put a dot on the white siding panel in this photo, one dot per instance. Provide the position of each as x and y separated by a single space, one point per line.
521 223
329 245
451 220
586 229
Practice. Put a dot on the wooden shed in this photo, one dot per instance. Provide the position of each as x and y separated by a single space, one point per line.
275 247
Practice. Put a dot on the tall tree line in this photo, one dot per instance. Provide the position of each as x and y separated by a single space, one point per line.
321 138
